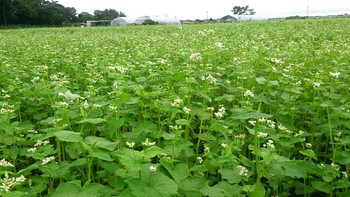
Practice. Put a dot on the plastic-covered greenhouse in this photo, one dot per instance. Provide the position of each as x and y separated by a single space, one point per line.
123 21
162 20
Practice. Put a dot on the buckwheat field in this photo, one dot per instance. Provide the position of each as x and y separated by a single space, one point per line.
240 109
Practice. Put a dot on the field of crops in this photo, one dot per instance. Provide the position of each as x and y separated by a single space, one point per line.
244 109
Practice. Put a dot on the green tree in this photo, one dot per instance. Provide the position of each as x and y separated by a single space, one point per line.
243 10
107 14
85 16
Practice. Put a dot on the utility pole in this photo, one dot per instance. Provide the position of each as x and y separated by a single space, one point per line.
307 12
207 15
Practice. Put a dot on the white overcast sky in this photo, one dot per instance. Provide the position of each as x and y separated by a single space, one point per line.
201 9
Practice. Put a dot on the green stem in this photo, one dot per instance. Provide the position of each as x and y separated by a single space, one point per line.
330 134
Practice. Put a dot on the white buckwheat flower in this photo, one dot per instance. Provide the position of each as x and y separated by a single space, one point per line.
224 145
186 110
130 144
64 104
262 135
200 159
210 108
176 102
220 113
5 163
308 145
335 74
316 84
48 160
196 57
252 122
248 94
31 150
206 148
8 183
85 104
219 45
153 169
148 143
242 170
269 145
41 143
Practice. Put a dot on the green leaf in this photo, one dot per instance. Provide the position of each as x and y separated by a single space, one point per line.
101 154
152 152
14 194
131 159
227 189
179 173
258 190
92 120
4 125
158 185
321 186
65 189
100 142
260 80
70 96
182 122
93 190
242 115
68 136
343 157
309 153
231 176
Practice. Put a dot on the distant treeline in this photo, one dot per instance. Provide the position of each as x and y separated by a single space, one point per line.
47 13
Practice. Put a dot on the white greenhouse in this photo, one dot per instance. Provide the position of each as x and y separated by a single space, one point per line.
162 20
248 18
123 21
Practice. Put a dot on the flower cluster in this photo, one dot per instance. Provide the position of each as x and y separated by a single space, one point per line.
219 45
200 159
270 123
8 183
220 113
316 84
130 144
48 160
176 102
206 148
64 104
206 32
210 78
186 110
196 57
248 94
275 60
41 143
175 127
242 170
5 163
240 136
148 143
224 145
153 168
284 129
335 74
6 108
262 135
269 145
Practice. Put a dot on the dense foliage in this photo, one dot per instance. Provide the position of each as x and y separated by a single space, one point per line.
258 109
47 13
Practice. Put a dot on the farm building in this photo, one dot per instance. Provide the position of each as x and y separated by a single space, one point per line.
123 21
162 20
228 18
248 18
